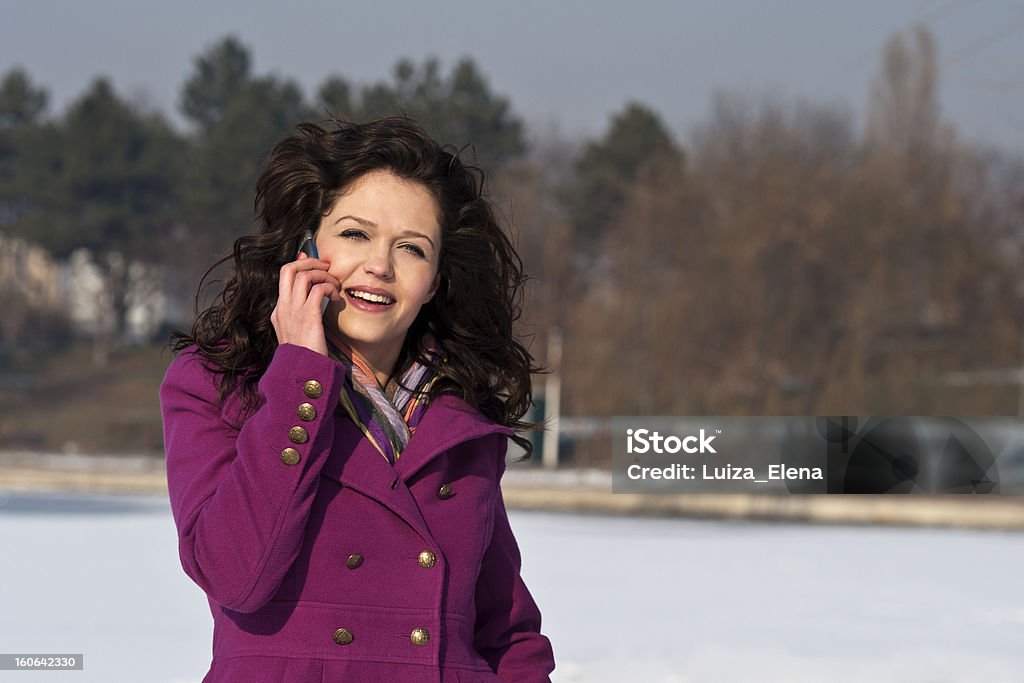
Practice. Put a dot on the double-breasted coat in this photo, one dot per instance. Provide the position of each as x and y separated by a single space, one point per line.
324 562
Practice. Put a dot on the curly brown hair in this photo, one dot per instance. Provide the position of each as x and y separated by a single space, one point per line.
472 314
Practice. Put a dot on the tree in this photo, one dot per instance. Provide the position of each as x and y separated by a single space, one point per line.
239 118
21 116
219 74
790 272
104 179
334 98
608 167
21 103
459 109
32 317
903 113
226 158
472 114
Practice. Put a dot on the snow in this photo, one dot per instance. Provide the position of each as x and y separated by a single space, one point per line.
624 599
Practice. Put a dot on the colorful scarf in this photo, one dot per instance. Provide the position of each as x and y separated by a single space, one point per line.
387 416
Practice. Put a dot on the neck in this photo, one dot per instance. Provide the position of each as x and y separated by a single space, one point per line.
382 377
380 363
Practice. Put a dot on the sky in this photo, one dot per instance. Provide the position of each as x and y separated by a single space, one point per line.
566 65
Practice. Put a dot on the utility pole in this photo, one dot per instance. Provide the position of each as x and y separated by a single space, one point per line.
552 398
1020 381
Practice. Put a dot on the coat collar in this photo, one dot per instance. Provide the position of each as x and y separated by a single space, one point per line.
447 422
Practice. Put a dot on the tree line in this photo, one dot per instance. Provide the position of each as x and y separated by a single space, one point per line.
780 261
110 177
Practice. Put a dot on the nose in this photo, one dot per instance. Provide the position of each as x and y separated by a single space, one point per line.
378 262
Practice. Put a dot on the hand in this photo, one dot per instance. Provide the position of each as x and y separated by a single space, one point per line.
298 316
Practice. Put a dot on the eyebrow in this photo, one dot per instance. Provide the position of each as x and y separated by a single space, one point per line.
370 224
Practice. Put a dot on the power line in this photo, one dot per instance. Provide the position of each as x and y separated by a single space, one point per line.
1006 85
979 45
921 16
942 11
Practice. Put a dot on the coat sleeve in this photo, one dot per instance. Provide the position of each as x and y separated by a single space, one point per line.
507 630
240 510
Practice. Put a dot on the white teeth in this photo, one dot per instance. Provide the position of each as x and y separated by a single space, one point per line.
372 298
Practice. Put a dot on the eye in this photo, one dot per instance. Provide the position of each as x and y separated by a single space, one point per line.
354 234
414 249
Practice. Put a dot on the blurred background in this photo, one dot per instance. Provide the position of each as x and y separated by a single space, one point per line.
725 208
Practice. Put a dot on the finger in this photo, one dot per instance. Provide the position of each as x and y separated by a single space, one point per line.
317 294
285 284
306 279
335 291
305 263
320 290
323 289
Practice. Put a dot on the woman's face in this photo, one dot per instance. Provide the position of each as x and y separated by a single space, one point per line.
382 238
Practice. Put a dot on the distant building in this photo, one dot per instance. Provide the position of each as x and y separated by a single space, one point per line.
34 285
29 272
90 303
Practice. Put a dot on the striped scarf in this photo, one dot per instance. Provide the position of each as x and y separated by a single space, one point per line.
386 416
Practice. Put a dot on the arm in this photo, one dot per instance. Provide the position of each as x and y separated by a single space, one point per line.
507 631
240 510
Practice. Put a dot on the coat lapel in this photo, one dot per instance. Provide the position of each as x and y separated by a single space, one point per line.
354 461
447 422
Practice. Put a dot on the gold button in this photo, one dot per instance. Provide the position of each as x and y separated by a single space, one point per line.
427 559
307 412
354 560
445 492
313 389
419 636
343 636
298 435
290 456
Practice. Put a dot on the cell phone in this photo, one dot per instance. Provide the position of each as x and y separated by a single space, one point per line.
308 247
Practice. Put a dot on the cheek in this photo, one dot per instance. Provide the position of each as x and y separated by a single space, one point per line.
416 282
426 287
341 262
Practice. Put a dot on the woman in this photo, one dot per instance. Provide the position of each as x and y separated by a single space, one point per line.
336 425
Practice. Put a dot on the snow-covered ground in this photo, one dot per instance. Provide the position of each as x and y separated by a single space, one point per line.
624 599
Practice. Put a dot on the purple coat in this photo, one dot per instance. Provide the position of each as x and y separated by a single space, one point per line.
322 561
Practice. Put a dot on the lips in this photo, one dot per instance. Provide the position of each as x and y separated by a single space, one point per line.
370 295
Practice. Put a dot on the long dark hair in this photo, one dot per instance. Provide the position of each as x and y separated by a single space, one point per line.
472 314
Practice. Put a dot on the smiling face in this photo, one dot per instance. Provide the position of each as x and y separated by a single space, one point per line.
382 238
